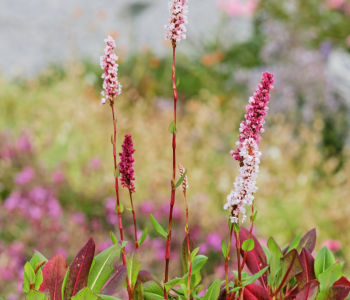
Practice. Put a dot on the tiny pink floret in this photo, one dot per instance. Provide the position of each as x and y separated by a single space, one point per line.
126 163
176 29
111 85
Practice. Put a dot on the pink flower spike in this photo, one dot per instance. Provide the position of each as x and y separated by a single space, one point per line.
176 29
126 163
111 85
256 111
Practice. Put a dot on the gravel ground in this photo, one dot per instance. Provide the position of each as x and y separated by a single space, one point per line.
36 33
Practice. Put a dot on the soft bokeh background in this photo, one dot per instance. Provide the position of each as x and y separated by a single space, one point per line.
56 172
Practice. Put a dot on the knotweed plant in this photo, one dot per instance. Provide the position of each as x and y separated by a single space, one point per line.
291 272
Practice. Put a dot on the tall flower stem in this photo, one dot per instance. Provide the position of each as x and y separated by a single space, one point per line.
226 264
172 199
250 234
238 247
118 201
134 217
189 253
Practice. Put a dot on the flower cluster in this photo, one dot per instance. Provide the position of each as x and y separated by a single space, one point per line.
245 183
184 182
256 111
177 20
126 163
111 85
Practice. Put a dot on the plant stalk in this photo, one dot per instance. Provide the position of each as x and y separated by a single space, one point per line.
189 253
238 247
130 291
226 264
250 233
134 217
172 200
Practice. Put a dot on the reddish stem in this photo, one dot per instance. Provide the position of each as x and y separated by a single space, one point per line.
189 253
226 264
250 233
118 201
172 200
238 247
134 217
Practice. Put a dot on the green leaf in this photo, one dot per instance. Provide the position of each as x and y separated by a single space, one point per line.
133 265
254 216
128 209
248 245
275 258
103 267
323 260
138 291
36 295
180 180
196 278
330 276
236 227
124 243
86 294
295 242
213 291
224 248
255 277
41 257
30 275
172 127
267 253
105 297
151 296
177 81
113 238
244 275
158 227
34 261
171 283
236 289
184 288
184 253
64 283
143 237
121 207
194 253
197 264
39 279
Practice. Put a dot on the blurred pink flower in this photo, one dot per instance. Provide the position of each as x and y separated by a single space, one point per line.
78 218
12 297
35 212
348 41
333 245
335 3
38 195
24 143
95 163
25 176
214 241
203 248
243 8
12 201
101 246
58 177
61 251
54 208
6 273
147 207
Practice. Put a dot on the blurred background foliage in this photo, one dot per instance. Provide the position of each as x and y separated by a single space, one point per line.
56 169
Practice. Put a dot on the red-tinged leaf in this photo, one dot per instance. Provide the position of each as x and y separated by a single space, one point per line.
308 273
255 292
342 281
79 270
292 294
334 293
256 259
53 273
145 276
290 267
115 282
309 291
308 241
